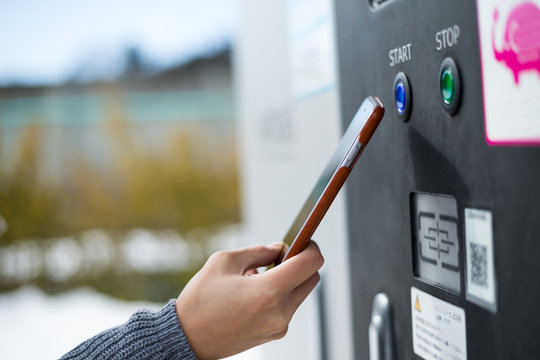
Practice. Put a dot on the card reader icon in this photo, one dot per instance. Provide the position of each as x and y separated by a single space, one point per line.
438 240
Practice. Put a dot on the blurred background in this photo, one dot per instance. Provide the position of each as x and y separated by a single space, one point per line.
137 138
118 161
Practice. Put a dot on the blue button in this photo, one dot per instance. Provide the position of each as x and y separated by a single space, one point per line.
401 97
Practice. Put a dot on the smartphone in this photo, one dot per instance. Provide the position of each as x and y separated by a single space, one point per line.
351 146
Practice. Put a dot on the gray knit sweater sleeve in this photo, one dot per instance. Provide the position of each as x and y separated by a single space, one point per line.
147 335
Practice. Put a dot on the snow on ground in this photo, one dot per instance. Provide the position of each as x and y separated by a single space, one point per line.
97 251
34 325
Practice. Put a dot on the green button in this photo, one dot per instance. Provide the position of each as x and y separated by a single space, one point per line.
447 86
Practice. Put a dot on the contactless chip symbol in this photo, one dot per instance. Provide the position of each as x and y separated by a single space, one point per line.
436 248
438 240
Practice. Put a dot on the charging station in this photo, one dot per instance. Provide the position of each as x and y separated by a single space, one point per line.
433 249
444 209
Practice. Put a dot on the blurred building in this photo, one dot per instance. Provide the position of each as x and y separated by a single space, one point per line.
71 117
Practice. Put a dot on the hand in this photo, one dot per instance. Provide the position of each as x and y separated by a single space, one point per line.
228 307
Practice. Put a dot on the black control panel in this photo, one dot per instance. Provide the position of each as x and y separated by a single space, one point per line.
435 206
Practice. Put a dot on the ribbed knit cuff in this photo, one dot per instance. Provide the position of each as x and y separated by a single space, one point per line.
147 335
174 344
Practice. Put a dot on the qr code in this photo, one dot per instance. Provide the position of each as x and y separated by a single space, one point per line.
478 264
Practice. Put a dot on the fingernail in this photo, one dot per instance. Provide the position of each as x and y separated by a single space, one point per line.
277 245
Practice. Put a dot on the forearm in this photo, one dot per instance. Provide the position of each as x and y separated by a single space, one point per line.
147 335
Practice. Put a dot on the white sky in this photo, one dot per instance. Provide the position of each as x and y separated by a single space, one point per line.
48 40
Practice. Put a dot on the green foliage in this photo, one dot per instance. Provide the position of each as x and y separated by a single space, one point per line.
192 184
186 180
27 204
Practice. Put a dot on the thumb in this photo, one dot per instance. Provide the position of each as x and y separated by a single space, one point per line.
255 256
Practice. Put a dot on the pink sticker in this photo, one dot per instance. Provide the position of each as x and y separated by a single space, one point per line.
509 32
521 49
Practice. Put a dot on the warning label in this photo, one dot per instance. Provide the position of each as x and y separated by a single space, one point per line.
438 328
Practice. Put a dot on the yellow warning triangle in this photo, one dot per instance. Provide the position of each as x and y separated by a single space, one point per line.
417 305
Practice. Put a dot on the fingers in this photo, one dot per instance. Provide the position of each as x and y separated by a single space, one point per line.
246 260
251 272
295 271
279 335
299 294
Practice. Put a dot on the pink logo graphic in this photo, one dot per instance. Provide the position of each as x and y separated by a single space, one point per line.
521 47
